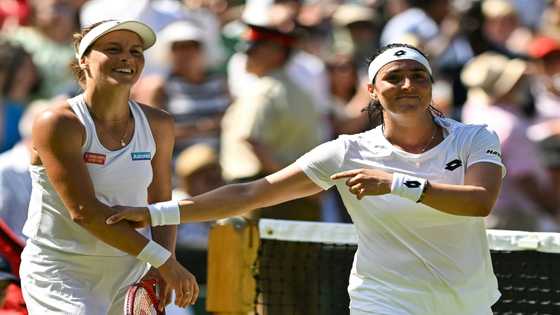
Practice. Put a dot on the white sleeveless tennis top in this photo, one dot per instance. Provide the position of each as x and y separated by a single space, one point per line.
119 177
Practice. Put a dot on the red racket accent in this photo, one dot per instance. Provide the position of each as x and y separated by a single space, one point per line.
142 299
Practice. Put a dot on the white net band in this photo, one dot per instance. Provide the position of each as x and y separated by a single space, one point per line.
341 233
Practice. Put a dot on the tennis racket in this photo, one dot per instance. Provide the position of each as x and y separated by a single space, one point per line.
142 299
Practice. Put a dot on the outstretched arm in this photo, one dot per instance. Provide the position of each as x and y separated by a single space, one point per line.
235 199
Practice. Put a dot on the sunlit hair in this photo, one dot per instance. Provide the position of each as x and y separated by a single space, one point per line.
374 109
78 72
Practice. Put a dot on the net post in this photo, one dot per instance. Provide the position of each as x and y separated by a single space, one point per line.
232 250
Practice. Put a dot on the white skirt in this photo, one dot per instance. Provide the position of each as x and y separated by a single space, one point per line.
55 282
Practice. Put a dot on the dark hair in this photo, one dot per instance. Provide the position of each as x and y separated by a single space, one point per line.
78 72
374 109
12 56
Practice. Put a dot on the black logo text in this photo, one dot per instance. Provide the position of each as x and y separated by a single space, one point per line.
496 153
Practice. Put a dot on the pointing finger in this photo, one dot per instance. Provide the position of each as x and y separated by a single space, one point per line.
344 174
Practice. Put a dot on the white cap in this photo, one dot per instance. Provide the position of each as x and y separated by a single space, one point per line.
256 12
181 31
144 31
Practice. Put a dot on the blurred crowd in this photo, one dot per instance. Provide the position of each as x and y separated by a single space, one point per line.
254 84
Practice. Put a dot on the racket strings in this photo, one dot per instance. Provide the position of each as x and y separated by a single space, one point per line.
143 304
142 299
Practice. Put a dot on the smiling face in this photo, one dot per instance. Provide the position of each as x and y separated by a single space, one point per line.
402 87
115 58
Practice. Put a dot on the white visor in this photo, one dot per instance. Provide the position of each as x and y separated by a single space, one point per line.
144 31
393 54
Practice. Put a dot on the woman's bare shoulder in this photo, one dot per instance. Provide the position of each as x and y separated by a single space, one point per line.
58 120
156 115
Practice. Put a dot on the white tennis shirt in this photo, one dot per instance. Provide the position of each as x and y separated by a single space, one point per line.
413 259
120 177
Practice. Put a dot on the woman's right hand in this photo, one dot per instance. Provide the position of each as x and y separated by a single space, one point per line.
137 216
181 280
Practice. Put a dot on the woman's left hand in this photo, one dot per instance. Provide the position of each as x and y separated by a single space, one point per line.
136 216
362 182
164 292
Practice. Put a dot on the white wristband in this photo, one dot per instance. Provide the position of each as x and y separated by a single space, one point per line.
407 186
154 254
165 213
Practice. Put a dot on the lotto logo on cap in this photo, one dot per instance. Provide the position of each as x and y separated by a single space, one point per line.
394 54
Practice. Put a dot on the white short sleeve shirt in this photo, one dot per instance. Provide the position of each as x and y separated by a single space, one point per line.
413 259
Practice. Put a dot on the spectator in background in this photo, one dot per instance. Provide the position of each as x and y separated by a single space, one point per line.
13 12
357 27
18 78
502 28
545 52
7 280
343 78
550 22
306 69
11 298
273 122
196 98
497 90
344 81
15 180
48 39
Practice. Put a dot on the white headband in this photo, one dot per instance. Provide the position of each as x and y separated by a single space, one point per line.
396 53
144 31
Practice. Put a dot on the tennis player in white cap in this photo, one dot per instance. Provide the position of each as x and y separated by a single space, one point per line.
416 187
97 150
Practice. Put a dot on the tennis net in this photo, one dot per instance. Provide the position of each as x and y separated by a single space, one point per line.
303 268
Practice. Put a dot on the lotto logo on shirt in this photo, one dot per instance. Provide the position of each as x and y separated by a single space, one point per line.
139 156
94 158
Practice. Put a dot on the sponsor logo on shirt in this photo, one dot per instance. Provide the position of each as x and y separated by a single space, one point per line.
139 156
493 152
94 158
451 166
